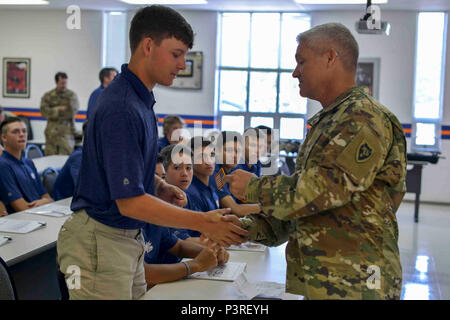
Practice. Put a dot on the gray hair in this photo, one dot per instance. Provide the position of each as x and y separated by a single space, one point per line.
322 37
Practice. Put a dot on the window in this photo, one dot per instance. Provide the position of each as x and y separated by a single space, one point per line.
428 86
114 39
256 61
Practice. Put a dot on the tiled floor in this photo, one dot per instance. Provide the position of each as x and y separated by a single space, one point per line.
425 251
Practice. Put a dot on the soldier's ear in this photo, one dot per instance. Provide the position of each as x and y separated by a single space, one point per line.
331 55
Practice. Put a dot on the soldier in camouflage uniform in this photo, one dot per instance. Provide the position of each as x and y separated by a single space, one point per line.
337 210
59 106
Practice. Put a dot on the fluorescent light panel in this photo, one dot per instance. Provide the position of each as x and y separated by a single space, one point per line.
339 1
167 2
23 3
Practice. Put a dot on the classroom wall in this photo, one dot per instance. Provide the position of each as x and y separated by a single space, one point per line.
42 35
79 54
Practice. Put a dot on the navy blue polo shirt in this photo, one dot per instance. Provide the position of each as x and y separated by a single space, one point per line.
119 151
68 176
186 233
202 197
93 99
158 241
255 169
162 143
19 179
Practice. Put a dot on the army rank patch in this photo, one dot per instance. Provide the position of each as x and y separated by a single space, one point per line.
219 179
364 152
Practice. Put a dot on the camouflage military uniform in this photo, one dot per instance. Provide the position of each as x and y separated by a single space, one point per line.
338 209
60 130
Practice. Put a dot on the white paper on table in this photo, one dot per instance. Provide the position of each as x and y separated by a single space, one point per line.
20 226
224 272
248 246
51 209
249 290
4 240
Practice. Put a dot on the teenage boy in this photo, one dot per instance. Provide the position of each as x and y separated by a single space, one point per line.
251 152
171 123
228 150
117 191
159 170
177 163
164 248
20 185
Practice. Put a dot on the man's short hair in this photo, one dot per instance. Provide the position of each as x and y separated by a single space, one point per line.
228 136
166 153
159 23
106 72
325 36
169 121
4 124
59 75
199 141
264 129
252 132
159 159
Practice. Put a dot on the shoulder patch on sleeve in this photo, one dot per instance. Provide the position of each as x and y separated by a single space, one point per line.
361 156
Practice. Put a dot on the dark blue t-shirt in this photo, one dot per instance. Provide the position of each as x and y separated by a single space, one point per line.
19 179
162 143
68 176
158 240
119 151
186 233
202 197
93 99
255 169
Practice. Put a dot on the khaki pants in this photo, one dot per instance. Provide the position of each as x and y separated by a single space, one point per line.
101 262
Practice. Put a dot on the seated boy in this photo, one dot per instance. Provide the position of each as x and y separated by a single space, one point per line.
163 249
159 170
20 185
178 168
201 193
228 150
251 152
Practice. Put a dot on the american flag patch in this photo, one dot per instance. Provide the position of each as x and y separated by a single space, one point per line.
219 179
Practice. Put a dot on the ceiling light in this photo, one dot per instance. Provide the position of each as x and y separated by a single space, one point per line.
23 3
339 1
166 2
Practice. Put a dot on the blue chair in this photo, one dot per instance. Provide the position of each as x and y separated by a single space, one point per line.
49 178
33 151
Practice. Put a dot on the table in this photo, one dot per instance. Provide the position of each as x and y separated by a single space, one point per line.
414 183
32 256
55 161
261 266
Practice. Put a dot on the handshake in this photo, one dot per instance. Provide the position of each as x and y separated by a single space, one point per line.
222 228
